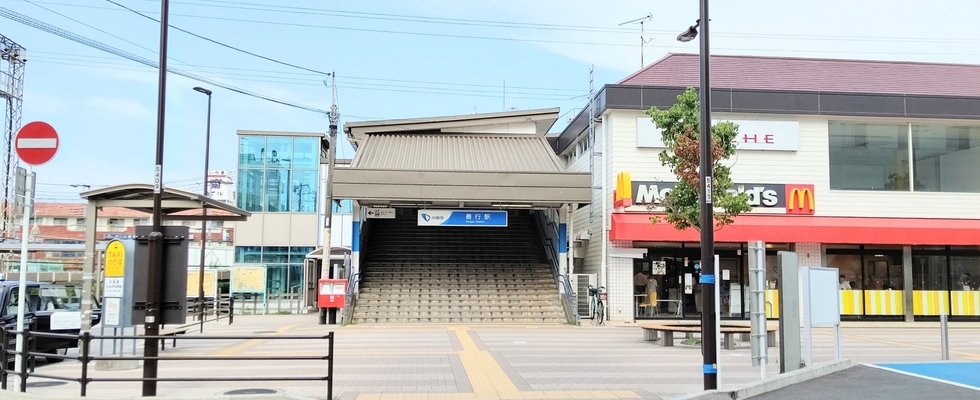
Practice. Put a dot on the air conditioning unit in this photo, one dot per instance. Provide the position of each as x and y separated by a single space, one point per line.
580 284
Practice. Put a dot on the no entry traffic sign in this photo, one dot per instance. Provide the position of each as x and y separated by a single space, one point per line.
36 143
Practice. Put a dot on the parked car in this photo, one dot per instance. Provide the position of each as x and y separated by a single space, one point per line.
44 300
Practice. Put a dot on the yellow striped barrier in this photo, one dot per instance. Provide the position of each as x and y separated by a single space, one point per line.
772 303
966 303
884 302
851 302
930 302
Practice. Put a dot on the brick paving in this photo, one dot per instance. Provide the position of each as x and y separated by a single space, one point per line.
492 361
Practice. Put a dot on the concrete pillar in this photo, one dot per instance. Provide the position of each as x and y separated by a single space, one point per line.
88 264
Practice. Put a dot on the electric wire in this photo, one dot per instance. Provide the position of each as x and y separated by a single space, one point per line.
17 17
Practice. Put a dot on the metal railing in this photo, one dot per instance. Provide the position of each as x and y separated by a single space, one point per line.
350 301
27 368
551 249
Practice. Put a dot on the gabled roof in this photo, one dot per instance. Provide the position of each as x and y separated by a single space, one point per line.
457 152
814 74
542 119
78 210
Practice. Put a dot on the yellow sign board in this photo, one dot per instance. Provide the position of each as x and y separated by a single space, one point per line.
115 259
248 278
210 284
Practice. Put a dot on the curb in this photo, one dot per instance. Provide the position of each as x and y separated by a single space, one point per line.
772 383
34 396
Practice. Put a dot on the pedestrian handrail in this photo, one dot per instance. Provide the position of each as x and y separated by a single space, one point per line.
85 357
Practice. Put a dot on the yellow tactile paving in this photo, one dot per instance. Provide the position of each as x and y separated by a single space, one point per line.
489 381
255 342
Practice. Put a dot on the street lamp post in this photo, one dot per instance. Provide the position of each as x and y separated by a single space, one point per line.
708 267
204 209
154 286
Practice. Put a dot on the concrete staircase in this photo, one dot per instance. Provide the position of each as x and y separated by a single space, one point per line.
458 293
416 274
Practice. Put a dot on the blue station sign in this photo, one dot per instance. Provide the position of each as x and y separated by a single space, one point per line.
489 218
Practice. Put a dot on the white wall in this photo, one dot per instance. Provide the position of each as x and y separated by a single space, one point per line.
809 165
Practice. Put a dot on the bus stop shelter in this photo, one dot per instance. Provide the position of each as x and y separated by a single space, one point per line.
177 205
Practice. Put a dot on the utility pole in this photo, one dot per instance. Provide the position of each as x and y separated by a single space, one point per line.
327 221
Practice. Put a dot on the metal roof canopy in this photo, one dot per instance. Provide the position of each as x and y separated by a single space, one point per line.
479 160
176 204
336 253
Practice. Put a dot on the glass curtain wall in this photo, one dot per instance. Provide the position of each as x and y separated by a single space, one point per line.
278 174
871 280
945 280
875 156
284 265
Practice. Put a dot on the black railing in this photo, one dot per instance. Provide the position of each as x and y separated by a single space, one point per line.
27 365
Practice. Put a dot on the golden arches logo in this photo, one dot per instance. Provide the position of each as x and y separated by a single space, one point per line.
623 194
799 200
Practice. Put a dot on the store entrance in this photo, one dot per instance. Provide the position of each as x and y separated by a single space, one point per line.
668 285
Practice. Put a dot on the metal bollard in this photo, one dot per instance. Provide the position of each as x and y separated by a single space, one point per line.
86 344
944 335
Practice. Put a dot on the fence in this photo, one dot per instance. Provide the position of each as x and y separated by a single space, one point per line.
269 303
85 357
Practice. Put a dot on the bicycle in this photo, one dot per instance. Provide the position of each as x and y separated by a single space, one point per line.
598 296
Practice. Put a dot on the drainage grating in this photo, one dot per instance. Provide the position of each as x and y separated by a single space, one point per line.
249 391
44 384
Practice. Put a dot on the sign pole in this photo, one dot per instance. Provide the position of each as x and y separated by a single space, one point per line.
22 276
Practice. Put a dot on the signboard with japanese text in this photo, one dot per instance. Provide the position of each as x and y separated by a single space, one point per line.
248 278
486 218
752 134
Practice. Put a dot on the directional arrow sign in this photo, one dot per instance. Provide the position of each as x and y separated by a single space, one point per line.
36 143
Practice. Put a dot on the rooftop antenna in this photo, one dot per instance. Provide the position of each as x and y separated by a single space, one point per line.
643 33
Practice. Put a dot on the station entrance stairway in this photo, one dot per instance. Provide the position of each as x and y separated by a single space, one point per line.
435 274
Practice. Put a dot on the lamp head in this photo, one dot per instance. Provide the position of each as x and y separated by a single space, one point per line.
690 33
203 90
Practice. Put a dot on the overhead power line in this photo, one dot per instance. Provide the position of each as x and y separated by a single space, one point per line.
220 43
4 12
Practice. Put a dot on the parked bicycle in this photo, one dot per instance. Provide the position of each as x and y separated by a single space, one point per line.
598 296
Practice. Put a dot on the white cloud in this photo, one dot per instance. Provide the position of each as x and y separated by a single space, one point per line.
125 108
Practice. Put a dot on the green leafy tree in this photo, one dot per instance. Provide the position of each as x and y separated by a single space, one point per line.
681 135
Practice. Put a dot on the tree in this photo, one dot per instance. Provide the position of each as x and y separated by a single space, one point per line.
681 135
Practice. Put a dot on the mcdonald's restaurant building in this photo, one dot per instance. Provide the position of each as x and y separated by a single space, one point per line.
869 167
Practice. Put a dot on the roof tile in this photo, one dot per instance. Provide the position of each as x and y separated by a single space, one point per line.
814 75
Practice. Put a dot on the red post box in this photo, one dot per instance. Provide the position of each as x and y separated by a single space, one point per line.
331 293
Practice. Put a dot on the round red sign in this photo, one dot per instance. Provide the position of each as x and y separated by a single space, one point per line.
36 143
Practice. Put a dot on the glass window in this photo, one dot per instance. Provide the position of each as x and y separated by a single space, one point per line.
276 190
929 272
966 272
849 266
306 152
248 254
276 278
946 158
295 277
251 151
869 156
61 221
304 187
883 272
298 254
345 206
279 152
250 189
275 254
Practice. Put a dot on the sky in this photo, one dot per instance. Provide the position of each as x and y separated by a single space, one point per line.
394 59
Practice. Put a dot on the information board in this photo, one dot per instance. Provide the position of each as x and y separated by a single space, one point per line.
193 280
248 278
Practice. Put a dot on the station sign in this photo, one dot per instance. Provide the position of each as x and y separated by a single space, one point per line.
485 218
381 213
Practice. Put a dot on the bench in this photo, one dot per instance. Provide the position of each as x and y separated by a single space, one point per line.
180 330
728 331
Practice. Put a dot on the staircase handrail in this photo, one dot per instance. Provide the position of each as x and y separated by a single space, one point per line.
552 253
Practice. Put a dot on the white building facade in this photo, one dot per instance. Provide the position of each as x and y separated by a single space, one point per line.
857 165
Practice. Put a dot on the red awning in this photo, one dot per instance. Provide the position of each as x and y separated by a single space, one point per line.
808 229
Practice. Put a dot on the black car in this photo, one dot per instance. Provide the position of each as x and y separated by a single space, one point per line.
43 301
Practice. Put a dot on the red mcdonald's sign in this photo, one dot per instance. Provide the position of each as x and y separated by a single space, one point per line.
799 199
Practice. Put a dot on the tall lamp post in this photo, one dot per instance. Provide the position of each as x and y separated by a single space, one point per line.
708 267
204 210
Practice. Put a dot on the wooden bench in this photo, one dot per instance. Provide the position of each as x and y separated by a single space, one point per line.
728 331
180 330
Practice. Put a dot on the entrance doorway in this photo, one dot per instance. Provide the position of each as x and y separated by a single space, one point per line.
677 291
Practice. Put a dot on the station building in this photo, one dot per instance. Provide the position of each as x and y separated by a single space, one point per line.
460 219
865 166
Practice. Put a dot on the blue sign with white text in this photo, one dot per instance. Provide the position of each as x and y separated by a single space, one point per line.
489 218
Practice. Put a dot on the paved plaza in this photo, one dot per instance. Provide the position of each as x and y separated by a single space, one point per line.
492 361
